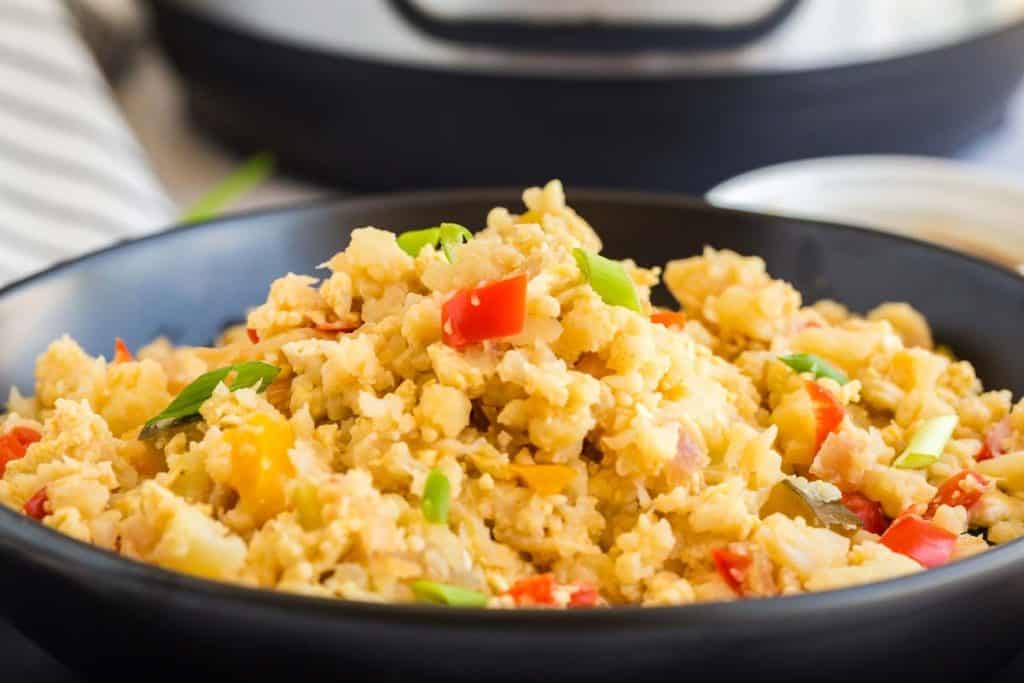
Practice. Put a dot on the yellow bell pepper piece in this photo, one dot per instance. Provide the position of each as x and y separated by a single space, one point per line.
530 217
307 505
260 466
545 479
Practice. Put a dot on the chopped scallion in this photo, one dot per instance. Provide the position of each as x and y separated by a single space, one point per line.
452 235
444 594
247 176
608 278
926 443
448 235
413 241
808 362
185 407
436 495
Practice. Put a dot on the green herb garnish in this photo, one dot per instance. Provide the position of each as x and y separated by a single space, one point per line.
808 362
444 594
247 176
452 235
185 407
413 241
448 235
436 495
608 278
927 443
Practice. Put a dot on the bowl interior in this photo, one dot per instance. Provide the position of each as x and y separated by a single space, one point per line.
190 283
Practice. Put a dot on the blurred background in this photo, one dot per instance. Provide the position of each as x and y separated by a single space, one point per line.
675 95
118 116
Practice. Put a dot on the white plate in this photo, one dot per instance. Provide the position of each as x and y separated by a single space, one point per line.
951 203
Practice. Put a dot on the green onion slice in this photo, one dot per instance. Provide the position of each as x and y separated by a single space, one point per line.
808 362
452 235
247 176
448 235
608 278
185 407
413 241
436 495
444 594
927 442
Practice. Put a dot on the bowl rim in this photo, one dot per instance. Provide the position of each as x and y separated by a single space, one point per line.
42 547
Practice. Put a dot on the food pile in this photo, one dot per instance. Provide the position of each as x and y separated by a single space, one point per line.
502 419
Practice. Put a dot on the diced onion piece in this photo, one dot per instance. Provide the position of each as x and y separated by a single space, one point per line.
1008 469
445 594
413 241
451 236
490 311
920 540
818 366
436 496
926 443
545 479
608 278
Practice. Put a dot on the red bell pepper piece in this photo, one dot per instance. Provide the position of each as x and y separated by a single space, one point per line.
963 488
253 335
868 510
122 354
534 590
669 318
584 595
828 411
920 540
35 507
732 566
992 446
490 311
14 443
540 590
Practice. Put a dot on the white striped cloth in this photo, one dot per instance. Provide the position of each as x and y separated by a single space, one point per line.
72 177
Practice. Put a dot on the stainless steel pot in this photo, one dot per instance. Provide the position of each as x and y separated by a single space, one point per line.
608 38
653 94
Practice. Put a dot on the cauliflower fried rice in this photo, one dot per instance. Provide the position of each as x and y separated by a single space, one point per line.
506 421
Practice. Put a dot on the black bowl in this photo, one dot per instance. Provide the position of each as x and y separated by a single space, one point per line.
97 611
